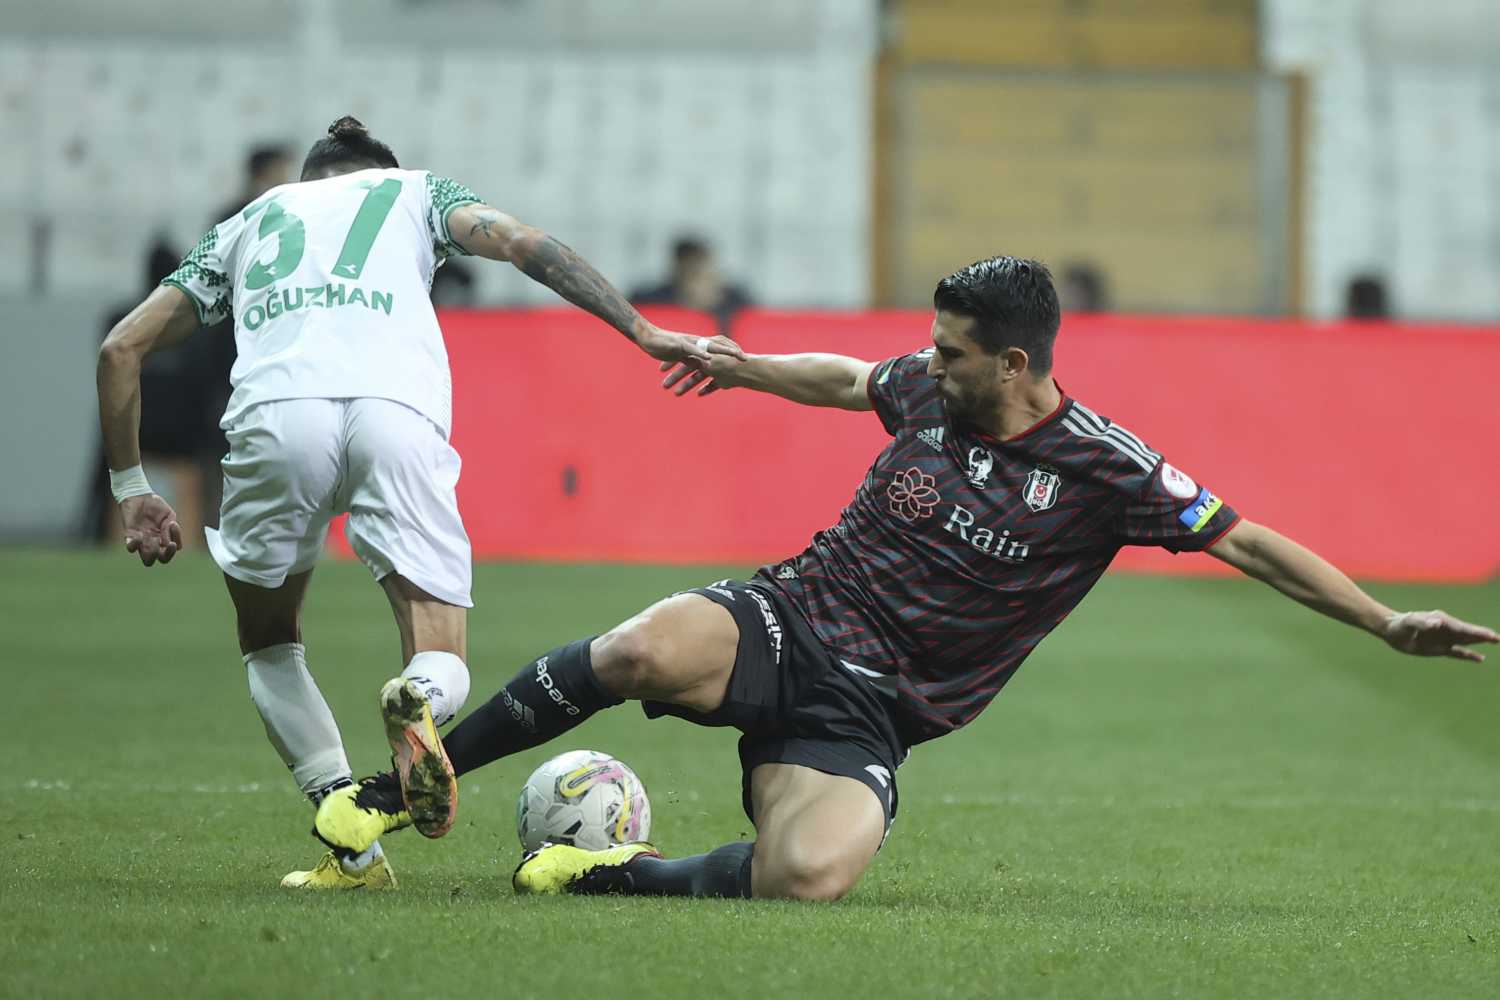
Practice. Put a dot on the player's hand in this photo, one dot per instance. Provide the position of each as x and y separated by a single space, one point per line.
1436 633
670 348
151 528
713 373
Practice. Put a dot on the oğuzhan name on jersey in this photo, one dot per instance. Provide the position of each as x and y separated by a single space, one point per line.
328 282
329 296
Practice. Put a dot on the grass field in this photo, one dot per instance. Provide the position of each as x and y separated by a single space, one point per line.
1193 789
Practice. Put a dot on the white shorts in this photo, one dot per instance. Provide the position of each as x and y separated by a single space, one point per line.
294 464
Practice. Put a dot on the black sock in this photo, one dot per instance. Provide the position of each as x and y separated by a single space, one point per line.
317 795
721 872
547 698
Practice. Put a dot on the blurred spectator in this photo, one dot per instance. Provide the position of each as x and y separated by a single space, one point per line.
265 167
1082 290
453 286
696 283
1365 298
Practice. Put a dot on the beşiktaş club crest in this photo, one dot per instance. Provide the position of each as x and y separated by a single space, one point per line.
1042 486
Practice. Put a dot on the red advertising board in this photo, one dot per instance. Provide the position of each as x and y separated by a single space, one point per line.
1376 445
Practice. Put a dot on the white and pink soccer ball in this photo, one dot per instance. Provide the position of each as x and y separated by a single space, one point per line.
583 798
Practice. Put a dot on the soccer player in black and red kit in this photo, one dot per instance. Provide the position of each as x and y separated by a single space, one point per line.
997 505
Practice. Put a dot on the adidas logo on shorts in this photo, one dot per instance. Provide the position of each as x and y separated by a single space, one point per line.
932 437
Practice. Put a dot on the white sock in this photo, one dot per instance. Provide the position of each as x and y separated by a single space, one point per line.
443 679
297 718
360 862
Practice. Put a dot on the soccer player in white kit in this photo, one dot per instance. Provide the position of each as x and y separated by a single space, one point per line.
341 403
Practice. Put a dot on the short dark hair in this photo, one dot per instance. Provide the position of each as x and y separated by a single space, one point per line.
262 157
348 144
1012 302
689 246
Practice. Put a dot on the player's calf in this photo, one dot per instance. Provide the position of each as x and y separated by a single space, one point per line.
816 832
548 697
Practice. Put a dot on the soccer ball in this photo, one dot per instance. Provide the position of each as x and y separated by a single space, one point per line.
584 798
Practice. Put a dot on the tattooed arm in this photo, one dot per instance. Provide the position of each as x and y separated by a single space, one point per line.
486 232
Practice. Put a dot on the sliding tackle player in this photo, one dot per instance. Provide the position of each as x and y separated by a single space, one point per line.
998 503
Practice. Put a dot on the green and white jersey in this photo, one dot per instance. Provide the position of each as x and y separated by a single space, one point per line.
328 284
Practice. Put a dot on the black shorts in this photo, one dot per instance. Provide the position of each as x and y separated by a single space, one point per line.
794 702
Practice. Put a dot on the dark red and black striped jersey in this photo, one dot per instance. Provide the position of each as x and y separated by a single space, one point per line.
960 552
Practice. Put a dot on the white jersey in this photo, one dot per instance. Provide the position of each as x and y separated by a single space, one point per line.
328 282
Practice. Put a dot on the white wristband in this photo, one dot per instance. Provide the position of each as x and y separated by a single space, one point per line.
128 483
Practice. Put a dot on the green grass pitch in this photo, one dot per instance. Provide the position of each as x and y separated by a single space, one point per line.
1192 789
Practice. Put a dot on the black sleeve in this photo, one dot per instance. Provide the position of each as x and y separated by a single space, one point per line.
893 384
1173 511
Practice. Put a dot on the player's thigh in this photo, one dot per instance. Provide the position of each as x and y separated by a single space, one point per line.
268 616
680 650
815 833
401 494
426 623
281 474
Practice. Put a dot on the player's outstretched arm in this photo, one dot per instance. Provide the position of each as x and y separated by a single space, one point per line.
165 318
1304 576
488 232
811 379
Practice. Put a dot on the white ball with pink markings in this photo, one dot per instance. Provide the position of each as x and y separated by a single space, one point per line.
584 798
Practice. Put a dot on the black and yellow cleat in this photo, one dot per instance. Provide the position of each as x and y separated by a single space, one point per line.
354 817
329 874
559 868
428 784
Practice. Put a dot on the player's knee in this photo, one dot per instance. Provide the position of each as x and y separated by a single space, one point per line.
816 888
808 876
630 661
